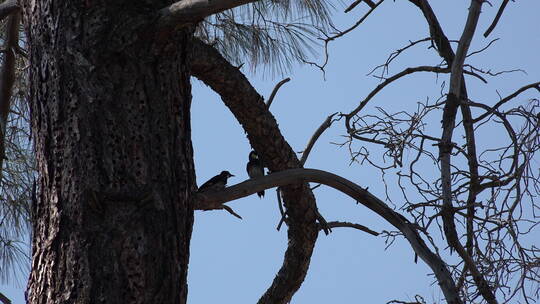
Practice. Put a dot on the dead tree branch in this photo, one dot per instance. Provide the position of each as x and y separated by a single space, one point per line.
214 200
338 224
445 147
496 20
275 90
325 125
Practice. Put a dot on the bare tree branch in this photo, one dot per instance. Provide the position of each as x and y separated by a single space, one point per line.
449 116
355 3
325 125
389 80
338 224
231 211
214 200
463 47
275 90
535 85
496 20
341 33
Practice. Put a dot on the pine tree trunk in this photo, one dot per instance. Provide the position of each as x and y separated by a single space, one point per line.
110 105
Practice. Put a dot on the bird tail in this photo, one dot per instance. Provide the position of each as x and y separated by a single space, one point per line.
260 194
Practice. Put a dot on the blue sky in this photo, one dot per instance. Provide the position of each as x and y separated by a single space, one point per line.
234 261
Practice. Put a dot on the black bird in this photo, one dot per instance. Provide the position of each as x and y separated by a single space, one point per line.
255 168
216 183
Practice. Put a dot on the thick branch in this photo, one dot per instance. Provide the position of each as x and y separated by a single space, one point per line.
457 88
192 11
359 194
8 7
457 91
449 115
265 137
463 47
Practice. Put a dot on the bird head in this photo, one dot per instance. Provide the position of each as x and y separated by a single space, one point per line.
253 155
226 174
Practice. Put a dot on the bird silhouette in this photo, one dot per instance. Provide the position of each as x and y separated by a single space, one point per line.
216 183
255 168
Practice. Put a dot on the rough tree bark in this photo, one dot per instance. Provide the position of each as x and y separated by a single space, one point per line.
110 103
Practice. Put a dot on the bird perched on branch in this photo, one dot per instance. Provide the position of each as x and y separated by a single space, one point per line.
255 168
216 183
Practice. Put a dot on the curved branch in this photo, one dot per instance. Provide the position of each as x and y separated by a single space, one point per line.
496 20
338 224
248 106
395 77
325 125
359 194
535 85
274 91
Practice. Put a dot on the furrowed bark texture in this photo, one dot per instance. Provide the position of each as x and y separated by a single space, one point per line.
263 133
110 116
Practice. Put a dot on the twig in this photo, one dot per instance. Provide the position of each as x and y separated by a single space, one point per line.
535 85
229 209
484 48
323 224
338 224
355 3
386 82
325 125
336 35
274 91
281 211
496 20
341 33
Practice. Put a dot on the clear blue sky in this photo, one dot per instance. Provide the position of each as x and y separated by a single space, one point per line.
234 261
